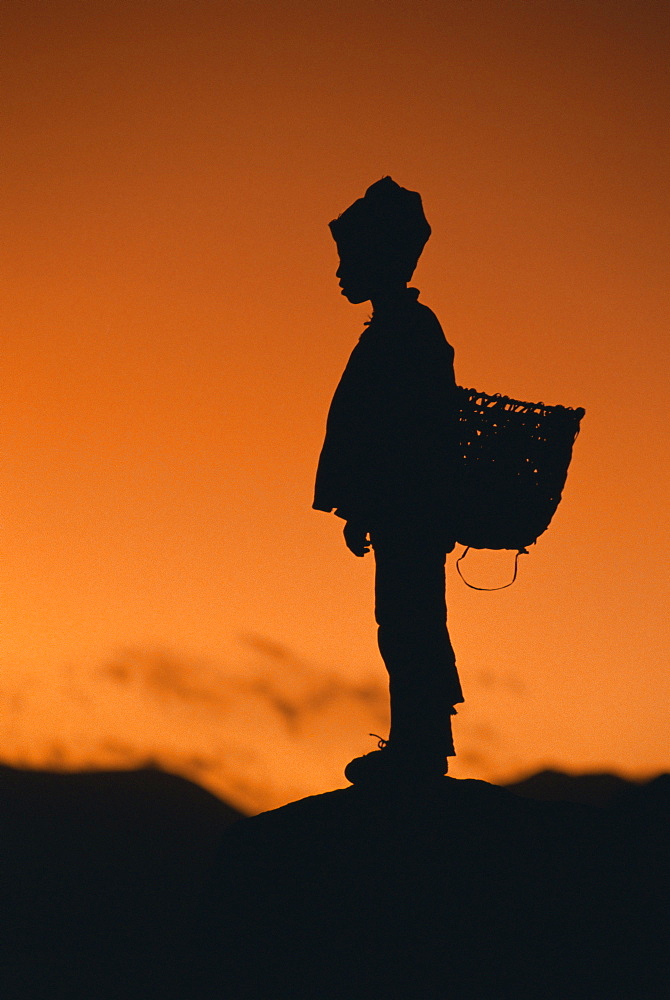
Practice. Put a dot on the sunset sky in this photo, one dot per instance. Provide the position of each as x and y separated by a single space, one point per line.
172 333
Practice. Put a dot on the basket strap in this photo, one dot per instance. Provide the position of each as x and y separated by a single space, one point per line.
520 552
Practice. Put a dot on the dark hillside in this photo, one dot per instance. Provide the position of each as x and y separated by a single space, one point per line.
135 885
101 874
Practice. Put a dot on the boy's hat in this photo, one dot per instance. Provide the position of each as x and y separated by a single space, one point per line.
388 219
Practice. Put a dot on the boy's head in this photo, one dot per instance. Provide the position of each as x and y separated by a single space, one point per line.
379 239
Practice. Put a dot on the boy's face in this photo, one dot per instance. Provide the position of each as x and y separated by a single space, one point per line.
357 279
362 275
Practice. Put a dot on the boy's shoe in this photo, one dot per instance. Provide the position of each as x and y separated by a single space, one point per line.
389 764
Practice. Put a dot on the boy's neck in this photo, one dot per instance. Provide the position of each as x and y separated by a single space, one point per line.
387 299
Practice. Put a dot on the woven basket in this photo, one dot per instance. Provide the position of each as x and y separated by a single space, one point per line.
514 462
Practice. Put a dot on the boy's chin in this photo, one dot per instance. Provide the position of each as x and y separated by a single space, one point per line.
355 296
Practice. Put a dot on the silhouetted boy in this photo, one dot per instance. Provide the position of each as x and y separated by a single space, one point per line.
386 468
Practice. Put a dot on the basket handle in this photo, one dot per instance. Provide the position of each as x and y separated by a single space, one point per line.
520 552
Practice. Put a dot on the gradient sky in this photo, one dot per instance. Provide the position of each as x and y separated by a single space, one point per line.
172 334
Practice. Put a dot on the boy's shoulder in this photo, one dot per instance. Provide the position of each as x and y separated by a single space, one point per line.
425 321
412 321
417 310
426 314
429 339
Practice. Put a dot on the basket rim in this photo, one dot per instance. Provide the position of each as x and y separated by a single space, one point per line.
519 405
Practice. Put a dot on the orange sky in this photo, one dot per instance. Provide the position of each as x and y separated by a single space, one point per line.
173 332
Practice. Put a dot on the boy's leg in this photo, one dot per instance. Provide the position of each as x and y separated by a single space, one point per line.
411 613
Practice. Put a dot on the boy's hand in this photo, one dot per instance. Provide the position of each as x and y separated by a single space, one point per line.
356 537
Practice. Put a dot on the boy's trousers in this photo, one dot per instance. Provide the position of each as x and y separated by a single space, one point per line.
411 614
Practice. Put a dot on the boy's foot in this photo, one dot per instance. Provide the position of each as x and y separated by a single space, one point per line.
389 764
